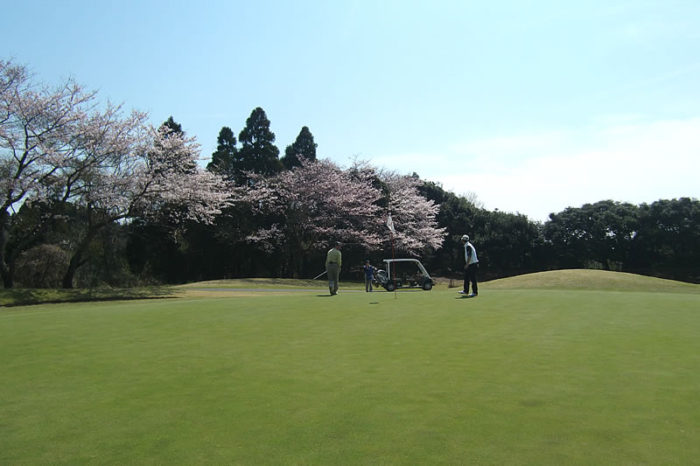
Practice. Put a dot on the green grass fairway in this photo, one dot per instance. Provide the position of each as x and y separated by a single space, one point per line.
516 376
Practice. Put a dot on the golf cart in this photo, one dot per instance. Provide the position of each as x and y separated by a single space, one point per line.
391 281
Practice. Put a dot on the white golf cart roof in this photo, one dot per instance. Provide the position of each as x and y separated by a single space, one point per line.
415 261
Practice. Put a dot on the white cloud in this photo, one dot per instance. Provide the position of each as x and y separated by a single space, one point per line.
619 158
407 163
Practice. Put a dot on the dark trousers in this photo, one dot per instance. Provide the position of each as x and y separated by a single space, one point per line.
470 277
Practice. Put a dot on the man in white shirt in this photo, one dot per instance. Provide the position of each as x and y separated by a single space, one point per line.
471 267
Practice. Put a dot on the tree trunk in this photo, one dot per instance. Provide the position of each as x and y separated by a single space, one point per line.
69 276
5 270
77 259
7 278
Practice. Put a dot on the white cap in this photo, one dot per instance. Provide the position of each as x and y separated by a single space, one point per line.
465 237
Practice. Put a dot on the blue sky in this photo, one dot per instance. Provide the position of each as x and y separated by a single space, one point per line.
530 106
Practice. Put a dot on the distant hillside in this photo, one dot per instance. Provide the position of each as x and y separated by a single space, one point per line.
580 279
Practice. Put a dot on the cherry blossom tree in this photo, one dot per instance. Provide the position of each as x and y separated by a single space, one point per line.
126 169
36 123
311 206
60 146
414 217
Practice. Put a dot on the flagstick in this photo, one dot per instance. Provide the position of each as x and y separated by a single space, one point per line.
390 224
394 264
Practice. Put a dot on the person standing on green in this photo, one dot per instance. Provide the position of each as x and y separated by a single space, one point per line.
471 267
334 259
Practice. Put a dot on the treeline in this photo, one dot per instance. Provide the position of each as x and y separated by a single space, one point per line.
95 197
660 239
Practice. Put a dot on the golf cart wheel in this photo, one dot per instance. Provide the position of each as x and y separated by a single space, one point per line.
427 286
390 286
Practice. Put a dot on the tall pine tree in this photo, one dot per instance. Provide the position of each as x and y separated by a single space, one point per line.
171 128
172 125
304 147
258 152
224 159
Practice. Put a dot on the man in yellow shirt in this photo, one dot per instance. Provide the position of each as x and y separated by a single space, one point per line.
334 259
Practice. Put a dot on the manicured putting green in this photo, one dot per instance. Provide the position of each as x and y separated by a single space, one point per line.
515 376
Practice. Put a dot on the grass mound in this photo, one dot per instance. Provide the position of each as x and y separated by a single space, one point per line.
580 279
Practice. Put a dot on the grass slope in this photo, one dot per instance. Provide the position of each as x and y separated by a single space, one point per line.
592 280
516 376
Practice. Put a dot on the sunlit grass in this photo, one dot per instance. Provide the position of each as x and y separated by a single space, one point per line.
512 377
580 279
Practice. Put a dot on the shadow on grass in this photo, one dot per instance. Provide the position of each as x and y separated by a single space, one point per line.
29 296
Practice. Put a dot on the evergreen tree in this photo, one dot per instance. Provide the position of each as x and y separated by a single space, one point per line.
304 147
224 159
258 153
168 129
172 126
